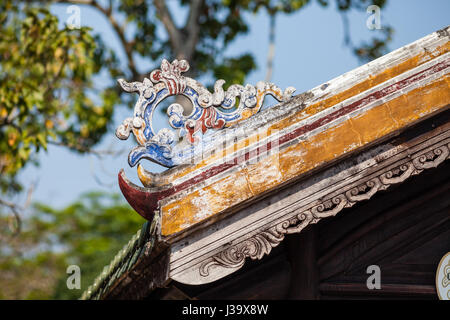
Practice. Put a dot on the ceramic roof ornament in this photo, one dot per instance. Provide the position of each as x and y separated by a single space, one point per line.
215 110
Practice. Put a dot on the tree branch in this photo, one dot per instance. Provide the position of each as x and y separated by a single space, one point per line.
271 53
193 28
10 122
15 210
120 30
167 19
79 148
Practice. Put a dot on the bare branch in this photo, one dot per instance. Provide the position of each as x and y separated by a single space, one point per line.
87 2
15 210
9 122
346 26
182 48
79 148
97 178
167 19
119 29
15 222
271 53
29 195
193 28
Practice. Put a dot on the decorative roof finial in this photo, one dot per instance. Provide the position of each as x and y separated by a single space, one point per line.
210 110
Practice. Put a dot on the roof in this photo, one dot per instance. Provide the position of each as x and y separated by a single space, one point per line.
139 246
319 145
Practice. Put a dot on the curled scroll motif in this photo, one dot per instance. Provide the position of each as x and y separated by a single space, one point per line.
432 158
261 244
300 222
210 111
364 191
255 248
329 208
398 174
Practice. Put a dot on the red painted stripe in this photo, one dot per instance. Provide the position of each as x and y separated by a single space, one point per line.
365 101
147 209
318 123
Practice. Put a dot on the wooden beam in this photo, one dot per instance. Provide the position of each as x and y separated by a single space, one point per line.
404 290
302 255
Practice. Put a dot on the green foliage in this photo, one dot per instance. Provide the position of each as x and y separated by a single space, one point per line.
45 82
87 233
48 95
376 47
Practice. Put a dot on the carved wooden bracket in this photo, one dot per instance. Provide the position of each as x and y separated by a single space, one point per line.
252 233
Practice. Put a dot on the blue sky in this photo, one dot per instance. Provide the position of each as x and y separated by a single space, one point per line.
309 51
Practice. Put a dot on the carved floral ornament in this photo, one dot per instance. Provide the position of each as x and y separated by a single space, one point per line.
261 244
210 111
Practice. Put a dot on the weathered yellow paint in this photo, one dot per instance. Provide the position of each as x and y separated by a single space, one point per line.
200 205
420 102
301 157
177 215
374 124
139 134
265 174
371 81
293 159
237 188
368 83
146 180
219 154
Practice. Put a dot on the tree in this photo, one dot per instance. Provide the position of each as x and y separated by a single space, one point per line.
46 82
48 95
87 233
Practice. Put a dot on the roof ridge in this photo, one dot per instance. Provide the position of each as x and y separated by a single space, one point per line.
122 262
